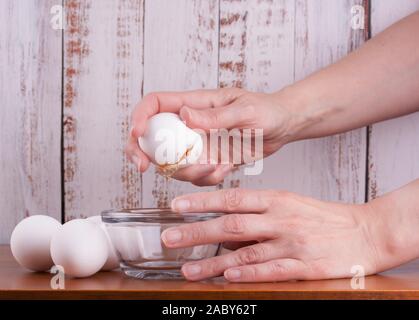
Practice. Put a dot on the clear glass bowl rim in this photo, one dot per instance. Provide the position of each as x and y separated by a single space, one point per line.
155 215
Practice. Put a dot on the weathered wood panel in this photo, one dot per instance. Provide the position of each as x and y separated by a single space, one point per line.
256 53
180 53
30 115
103 72
278 42
333 168
393 146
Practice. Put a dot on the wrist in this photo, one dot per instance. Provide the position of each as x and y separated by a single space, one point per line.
391 231
300 118
310 113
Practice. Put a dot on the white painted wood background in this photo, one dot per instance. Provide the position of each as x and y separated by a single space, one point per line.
30 113
67 97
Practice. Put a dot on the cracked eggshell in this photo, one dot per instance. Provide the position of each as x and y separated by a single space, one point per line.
30 242
112 262
168 141
80 247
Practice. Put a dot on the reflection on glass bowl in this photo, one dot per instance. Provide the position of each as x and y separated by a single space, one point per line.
136 237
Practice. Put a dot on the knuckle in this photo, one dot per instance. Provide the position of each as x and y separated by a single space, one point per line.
150 96
232 198
127 150
130 151
318 269
246 99
224 96
213 268
276 267
213 117
249 255
206 204
248 111
268 198
227 95
271 193
148 100
134 113
302 241
217 177
293 226
234 224
282 194
252 273
284 197
235 91
197 234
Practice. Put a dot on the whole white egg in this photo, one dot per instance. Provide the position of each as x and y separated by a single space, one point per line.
112 262
30 242
167 141
80 247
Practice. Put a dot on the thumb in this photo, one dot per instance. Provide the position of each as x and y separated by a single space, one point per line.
230 116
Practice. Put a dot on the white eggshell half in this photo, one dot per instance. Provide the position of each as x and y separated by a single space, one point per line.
167 139
112 262
30 242
80 247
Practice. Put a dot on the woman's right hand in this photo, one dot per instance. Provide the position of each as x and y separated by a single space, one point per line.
226 108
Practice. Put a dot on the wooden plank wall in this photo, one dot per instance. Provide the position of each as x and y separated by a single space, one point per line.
30 113
82 84
180 53
103 76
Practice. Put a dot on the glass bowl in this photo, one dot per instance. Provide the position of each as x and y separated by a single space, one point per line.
136 237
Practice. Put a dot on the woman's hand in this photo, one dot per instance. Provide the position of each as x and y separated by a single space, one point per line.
332 100
215 109
297 237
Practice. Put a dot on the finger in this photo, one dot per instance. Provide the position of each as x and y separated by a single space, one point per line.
216 177
234 115
194 172
230 227
275 270
227 200
216 266
135 155
154 103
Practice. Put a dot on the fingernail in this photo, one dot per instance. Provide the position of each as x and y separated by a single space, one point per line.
181 205
132 132
192 269
172 236
233 274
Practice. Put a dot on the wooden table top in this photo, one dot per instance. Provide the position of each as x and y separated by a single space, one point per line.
17 283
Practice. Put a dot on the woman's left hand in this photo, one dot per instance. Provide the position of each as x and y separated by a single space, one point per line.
296 237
